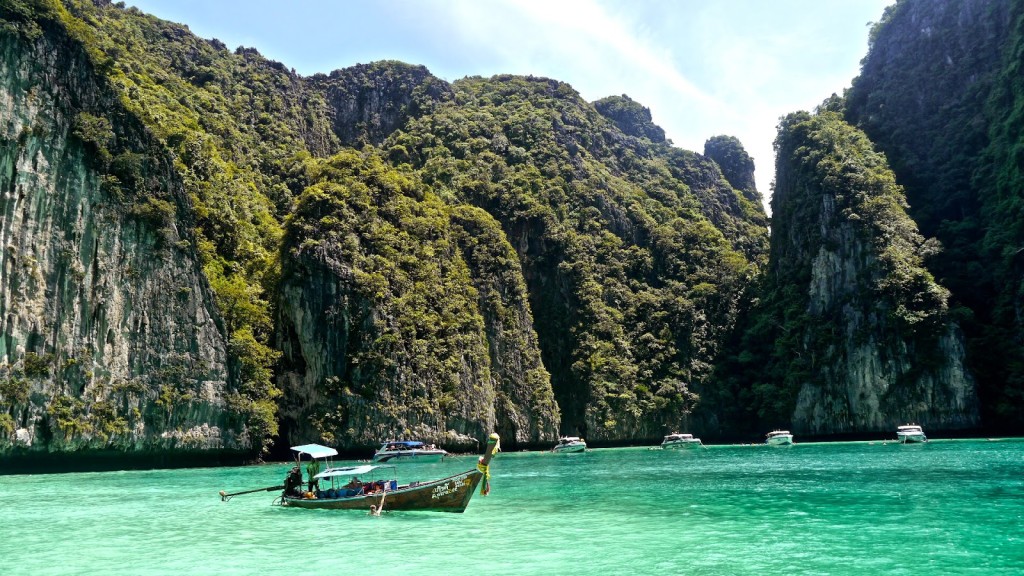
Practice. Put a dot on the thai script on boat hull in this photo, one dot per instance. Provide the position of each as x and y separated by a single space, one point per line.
450 487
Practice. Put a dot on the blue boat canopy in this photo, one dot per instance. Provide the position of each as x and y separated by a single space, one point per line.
406 443
315 450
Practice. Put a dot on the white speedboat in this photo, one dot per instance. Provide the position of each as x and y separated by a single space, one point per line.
568 444
678 441
910 434
779 438
408 451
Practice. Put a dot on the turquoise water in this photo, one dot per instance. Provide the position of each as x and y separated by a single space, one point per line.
948 507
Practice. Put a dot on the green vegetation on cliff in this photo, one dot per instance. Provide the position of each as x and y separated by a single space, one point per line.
1002 181
630 279
411 327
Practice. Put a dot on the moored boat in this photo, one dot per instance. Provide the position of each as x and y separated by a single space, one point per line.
676 441
779 438
341 488
910 434
408 451
567 444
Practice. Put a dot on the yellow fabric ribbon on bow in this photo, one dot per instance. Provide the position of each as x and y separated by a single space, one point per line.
485 488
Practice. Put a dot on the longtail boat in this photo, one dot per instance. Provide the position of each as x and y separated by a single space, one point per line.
341 488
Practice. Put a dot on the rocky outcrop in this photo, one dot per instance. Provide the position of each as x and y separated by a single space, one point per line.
873 379
631 117
109 336
367 102
737 166
741 220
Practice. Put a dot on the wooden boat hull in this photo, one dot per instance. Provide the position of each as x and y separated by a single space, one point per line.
451 494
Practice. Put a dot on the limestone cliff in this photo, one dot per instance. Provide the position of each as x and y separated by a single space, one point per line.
525 408
109 338
434 343
942 94
866 344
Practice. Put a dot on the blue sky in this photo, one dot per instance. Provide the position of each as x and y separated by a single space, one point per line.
703 67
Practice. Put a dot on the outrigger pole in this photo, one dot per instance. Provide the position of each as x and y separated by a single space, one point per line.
224 496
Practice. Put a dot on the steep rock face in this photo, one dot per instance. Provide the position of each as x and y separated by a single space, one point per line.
921 96
109 336
942 94
873 347
869 381
526 412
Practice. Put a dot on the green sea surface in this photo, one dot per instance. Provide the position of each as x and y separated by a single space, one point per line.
947 507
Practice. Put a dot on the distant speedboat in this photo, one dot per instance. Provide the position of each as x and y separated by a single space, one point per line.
678 441
408 451
568 444
910 434
779 438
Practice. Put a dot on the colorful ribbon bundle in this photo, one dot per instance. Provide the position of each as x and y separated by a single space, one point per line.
485 469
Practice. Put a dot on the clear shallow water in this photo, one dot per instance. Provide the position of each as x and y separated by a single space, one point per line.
948 507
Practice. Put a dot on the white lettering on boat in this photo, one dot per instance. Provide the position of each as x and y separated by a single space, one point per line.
449 487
